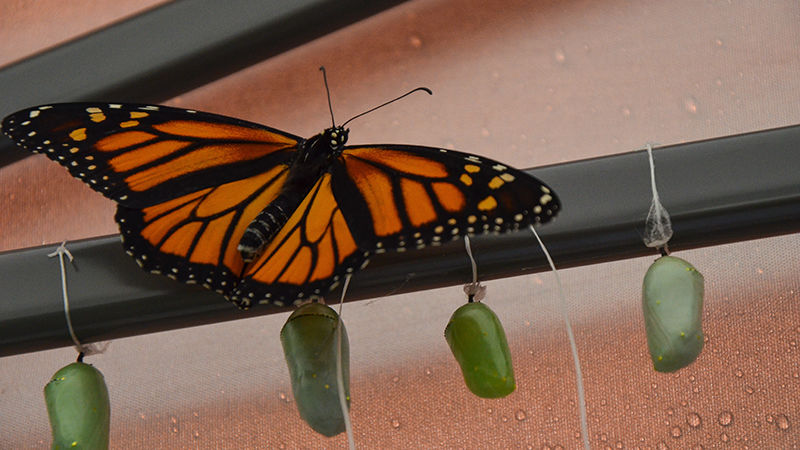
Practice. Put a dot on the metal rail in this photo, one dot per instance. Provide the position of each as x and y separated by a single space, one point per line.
717 191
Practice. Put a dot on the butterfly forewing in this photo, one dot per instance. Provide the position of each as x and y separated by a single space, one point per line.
417 196
140 155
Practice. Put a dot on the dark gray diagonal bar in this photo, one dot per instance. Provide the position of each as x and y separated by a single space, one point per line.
719 190
163 52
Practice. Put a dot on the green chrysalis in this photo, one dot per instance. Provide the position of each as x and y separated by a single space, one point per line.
672 300
78 406
309 344
479 344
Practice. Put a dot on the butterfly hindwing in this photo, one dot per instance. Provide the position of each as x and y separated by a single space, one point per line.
313 251
193 238
141 155
396 197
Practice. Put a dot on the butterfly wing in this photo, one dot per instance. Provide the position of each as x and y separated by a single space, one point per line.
187 183
141 155
396 197
389 197
308 257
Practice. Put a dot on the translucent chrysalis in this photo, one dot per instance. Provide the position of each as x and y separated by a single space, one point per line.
78 406
309 344
672 300
479 344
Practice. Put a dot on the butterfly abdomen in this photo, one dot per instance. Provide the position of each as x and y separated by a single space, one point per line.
312 159
266 225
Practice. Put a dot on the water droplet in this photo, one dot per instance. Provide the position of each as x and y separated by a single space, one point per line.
559 55
283 397
504 419
489 410
428 371
626 112
521 415
783 422
196 414
676 432
718 42
694 420
174 427
738 373
395 424
690 105
724 437
718 81
725 418
415 41
195 434
485 132
692 378
142 416
749 389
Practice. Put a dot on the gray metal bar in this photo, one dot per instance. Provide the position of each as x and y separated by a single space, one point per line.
169 50
717 191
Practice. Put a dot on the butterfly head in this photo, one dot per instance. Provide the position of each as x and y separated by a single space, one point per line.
336 137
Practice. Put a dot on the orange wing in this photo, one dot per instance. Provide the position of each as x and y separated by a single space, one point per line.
187 183
141 155
419 196
309 255
193 238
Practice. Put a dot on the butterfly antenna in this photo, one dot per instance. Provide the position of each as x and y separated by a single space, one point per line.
390 101
328 92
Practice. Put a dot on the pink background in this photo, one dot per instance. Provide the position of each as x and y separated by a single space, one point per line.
525 82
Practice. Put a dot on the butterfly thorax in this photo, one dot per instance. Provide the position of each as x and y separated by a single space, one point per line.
313 158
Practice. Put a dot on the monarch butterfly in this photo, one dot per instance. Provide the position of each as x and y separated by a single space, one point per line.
672 300
260 215
78 407
310 347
